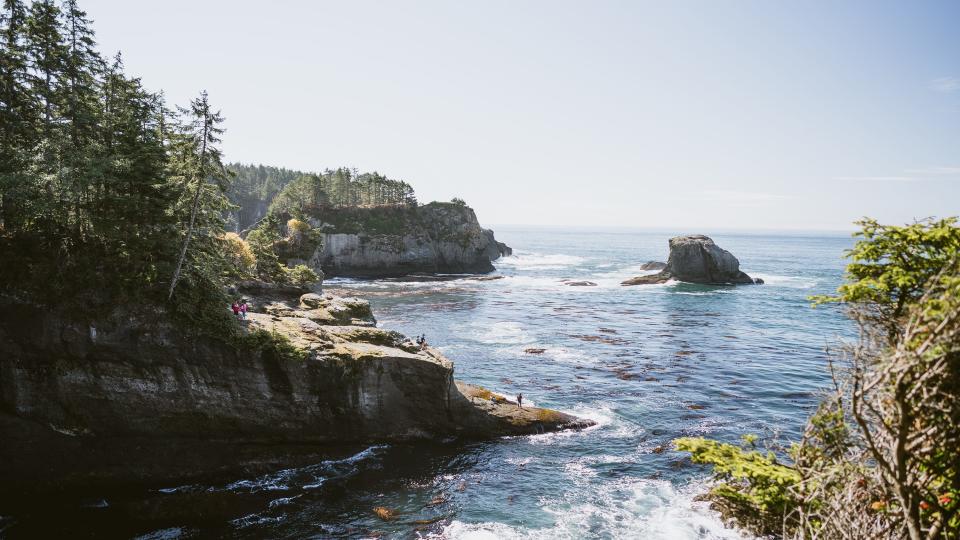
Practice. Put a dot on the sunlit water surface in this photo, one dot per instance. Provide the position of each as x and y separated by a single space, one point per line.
647 363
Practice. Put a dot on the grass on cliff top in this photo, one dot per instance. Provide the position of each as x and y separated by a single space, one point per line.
386 220
272 344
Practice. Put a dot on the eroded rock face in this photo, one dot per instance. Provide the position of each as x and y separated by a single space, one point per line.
133 380
387 242
697 259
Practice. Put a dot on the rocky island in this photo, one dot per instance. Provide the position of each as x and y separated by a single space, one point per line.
360 225
443 238
695 259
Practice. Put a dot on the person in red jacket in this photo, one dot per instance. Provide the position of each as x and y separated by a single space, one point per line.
236 309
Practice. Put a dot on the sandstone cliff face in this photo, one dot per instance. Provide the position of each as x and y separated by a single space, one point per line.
129 378
394 241
696 259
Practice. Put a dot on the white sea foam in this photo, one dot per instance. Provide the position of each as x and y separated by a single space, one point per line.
601 416
256 519
309 477
793 282
628 509
162 534
500 333
282 501
542 261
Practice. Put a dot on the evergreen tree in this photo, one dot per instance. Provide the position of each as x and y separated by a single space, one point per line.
79 97
201 161
18 121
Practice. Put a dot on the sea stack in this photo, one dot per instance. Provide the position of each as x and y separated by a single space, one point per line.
697 259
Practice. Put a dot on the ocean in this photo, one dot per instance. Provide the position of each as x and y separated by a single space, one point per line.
648 363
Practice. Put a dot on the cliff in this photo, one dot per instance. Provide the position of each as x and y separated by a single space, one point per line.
389 241
71 387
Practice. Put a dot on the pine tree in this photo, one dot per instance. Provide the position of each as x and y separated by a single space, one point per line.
79 99
18 121
201 135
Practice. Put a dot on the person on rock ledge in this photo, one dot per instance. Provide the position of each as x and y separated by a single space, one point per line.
520 400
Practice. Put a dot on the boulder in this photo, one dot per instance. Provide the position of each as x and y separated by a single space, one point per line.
697 259
653 265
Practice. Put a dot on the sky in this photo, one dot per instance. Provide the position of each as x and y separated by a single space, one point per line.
803 115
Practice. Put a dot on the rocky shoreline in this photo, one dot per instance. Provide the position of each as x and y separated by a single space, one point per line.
73 388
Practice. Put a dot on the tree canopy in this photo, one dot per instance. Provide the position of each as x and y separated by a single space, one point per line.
104 190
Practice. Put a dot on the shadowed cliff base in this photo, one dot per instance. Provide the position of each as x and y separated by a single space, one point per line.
110 400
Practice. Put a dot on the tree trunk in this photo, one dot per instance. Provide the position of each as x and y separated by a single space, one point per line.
196 203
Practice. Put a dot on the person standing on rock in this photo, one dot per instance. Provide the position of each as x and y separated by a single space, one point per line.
236 309
243 309
520 400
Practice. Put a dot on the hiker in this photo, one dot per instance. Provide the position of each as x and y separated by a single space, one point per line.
236 309
520 400
243 309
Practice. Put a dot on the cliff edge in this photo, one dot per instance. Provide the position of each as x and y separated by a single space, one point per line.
68 385
390 241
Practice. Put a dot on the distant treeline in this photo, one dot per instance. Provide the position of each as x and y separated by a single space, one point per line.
259 188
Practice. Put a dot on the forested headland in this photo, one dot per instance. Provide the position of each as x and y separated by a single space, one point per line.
109 194
265 188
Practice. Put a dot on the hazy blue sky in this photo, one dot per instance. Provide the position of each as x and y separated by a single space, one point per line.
735 114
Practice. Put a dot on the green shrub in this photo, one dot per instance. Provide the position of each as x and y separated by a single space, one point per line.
300 275
753 488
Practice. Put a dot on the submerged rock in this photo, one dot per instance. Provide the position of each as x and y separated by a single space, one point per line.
697 259
72 387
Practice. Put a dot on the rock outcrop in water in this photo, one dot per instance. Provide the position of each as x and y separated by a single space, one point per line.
71 387
400 240
697 259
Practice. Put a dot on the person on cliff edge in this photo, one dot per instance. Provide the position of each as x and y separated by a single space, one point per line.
520 400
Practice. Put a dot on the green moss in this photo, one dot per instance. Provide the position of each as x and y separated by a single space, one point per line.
272 343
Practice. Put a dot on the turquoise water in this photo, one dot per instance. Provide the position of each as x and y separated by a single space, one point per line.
647 363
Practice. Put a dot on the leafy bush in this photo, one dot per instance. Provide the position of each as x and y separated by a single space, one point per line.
300 275
239 256
753 488
295 225
878 458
